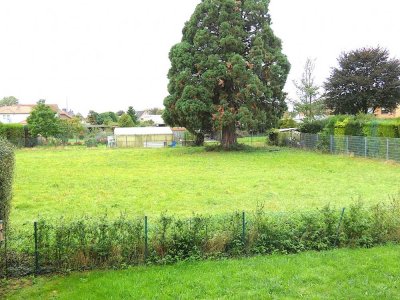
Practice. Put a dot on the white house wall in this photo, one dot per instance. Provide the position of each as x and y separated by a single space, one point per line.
13 118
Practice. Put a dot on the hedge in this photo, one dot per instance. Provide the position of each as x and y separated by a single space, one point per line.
90 243
14 133
361 125
7 162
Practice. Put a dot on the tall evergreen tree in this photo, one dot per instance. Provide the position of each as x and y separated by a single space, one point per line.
132 113
227 72
125 121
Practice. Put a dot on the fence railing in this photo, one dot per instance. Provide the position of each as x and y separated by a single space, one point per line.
371 147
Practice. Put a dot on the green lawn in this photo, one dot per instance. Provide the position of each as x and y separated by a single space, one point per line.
78 181
340 274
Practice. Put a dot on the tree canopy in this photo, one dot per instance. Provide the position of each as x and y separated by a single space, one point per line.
132 113
7 101
228 71
308 102
126 121
43 120
365 80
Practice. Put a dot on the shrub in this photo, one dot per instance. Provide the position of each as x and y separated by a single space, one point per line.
7 161
91 142
287 123
14 133
389 129
88 243
312 126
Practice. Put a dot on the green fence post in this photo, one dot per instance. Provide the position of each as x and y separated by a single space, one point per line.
146 248
244 228
365 146
340 223
35 228
387 149
331 144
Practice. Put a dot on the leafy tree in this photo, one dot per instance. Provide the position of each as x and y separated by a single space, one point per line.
227 72
43 120
132 113
365 80
68 129
107 118
308 102
94 118
7 101
125 121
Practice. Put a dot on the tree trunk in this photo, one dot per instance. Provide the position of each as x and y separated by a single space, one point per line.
228 136
199 139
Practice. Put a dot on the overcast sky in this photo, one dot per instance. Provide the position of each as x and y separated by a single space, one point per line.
107 55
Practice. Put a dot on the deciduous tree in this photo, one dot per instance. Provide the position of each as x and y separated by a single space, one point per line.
43 120
7 101
365 80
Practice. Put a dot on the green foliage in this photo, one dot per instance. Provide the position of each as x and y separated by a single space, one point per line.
8 101
360 125
126 121
14 133
132 113
89 243
7 161
228 71
308 103
94 118
287 123
365 79
107 118
312 126
43 121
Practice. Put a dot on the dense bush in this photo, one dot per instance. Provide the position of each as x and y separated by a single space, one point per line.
14 133
360 125
7 161
287 123
103 243
312 126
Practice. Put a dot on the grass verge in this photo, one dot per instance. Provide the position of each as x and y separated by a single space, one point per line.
340 274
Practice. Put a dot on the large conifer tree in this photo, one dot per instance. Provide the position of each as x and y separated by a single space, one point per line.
227 72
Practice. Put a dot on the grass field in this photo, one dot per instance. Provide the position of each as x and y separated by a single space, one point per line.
78 181
340 274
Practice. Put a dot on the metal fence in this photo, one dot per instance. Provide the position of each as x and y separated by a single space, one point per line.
370 147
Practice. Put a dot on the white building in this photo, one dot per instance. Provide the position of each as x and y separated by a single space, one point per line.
19 113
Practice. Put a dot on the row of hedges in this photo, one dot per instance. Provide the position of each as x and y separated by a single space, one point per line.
17 135
103 243
361 125
7 161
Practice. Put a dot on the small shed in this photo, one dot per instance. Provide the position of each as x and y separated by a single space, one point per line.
150 137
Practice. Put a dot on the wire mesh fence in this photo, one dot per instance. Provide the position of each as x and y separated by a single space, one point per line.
370 147
91 243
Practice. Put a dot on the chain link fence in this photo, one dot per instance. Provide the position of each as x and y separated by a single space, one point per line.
369 147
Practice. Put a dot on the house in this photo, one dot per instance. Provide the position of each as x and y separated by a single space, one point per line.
156 120
150 137
18 114
382 113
